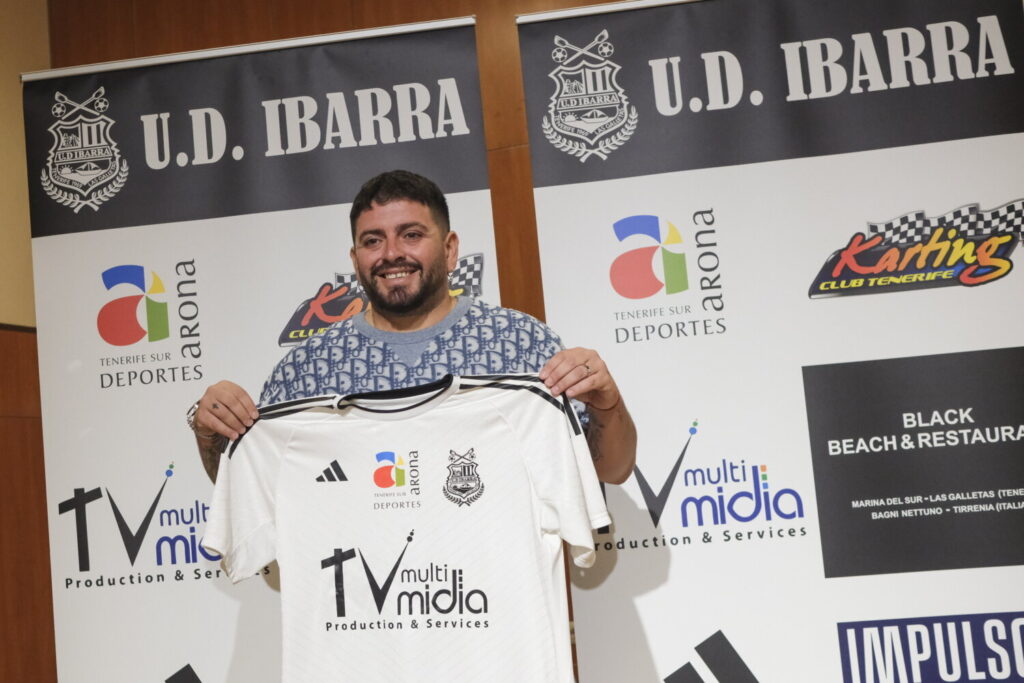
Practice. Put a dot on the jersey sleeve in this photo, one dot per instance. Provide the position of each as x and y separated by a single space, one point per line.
562 473
241 526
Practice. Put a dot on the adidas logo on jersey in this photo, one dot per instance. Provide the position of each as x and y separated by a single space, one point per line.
333 473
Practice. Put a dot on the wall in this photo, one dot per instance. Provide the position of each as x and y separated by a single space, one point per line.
26 614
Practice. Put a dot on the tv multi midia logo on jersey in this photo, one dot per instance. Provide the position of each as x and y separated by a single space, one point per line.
676 279
139 309
965 247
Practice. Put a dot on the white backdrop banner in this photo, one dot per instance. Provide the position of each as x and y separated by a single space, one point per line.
190 222
796 226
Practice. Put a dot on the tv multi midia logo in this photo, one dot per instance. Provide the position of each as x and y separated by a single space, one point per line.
118 320
634 274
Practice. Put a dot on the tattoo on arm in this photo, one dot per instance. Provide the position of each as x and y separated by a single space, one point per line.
210 451
594 429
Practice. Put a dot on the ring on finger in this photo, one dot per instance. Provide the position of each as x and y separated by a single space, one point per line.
216 406
586 369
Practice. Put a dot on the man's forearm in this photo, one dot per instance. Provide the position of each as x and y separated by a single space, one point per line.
611 436
210 449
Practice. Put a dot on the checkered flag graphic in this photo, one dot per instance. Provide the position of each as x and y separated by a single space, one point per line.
354 288
467 276
967 221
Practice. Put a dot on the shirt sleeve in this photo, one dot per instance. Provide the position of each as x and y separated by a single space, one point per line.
562 472
241 525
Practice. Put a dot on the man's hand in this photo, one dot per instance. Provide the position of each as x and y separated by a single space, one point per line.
225 409
581 374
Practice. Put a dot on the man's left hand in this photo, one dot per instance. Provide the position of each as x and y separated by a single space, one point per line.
581 374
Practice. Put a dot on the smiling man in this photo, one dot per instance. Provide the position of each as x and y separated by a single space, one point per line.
403 250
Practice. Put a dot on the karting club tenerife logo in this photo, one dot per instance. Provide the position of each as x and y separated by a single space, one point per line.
463 486
118 320
84 166
589 113
634 274
338 301
965 247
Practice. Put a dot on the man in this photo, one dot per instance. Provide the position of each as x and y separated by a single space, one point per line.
402 251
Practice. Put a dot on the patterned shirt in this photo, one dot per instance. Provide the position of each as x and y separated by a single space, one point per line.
352 356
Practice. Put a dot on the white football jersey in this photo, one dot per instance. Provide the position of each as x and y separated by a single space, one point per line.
418 531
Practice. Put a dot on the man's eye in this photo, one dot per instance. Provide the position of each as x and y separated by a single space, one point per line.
371 242
413 235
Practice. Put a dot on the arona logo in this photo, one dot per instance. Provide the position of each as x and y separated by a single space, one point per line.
392 473
118 320
633 273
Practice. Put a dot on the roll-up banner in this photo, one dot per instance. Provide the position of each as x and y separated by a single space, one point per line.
794 230
190 224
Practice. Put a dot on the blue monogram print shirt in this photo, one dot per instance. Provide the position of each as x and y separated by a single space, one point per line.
352 356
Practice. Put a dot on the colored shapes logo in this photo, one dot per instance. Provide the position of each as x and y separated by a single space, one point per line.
118 320
391 473
633 273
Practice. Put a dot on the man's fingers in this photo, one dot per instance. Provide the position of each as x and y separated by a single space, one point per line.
245 403
224 429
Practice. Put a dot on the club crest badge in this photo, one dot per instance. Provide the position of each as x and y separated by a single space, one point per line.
463 485
84 166
588 114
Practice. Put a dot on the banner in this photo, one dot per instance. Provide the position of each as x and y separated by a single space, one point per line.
190 223
797 226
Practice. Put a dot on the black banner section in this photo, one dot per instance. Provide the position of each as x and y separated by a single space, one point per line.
728 82
296 127
919 462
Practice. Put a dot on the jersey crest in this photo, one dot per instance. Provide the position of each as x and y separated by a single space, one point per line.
463 485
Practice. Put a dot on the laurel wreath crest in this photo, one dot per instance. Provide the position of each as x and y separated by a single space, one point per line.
603 148
65 198
472 498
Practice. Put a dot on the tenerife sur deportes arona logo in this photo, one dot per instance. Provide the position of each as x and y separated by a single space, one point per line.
588 114
966 246
118 320
84 166
391 472
635 273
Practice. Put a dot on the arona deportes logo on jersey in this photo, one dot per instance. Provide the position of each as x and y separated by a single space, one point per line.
84 166
391 472
966 247
633 273
589 113
118 320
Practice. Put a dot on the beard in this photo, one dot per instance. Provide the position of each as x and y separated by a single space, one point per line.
405 299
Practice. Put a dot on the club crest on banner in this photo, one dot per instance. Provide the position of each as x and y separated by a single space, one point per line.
589 113
84 166
463 485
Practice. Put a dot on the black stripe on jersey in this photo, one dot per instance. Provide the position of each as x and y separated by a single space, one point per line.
562 405
432 388
275 410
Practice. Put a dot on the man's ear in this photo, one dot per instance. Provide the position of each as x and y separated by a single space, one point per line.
451 250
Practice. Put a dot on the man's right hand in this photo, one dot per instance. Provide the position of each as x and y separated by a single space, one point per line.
225 409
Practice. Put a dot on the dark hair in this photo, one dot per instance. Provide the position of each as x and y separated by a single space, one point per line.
392 185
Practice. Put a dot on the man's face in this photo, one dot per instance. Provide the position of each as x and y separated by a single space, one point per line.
402 257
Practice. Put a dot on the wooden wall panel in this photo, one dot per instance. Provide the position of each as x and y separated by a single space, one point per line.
26 606
89 31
